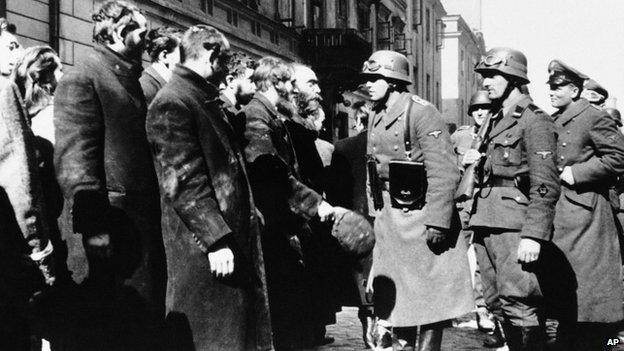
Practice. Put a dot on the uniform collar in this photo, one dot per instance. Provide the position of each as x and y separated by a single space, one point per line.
575 109
511 112
395 111
152 72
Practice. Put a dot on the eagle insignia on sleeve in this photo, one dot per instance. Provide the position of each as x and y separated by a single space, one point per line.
544 154
435 133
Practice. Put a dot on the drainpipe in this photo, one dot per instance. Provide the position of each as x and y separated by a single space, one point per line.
53 22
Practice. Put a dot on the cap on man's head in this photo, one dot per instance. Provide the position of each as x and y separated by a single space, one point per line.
591 84
562 74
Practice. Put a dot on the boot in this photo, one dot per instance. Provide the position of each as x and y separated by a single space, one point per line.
496 338
524 338
430 337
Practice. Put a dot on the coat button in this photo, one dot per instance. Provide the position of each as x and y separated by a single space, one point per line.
560 169
562 157
505 142
564 144
398 119
568 132
518 199
372 134
396 133
396 147
374 148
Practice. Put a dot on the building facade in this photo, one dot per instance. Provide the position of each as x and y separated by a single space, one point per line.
335 37
462 50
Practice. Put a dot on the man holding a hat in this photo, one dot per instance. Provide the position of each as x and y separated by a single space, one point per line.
590 154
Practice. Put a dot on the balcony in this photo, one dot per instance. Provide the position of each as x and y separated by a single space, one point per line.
339 50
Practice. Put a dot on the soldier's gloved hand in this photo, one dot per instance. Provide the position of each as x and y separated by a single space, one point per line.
528 250
436 240
471 156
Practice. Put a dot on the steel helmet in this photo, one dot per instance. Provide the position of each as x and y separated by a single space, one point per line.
615 114
480 98
507 61
389 64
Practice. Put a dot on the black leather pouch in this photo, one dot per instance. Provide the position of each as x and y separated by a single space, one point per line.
408 184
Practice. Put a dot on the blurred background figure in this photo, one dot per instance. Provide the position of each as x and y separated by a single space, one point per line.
163 48
236 92
31 200
594 93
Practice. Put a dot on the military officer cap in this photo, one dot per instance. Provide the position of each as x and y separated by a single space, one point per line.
591 84
615 114
388 64
562 74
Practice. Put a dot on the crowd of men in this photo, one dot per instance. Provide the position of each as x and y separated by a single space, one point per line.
192 205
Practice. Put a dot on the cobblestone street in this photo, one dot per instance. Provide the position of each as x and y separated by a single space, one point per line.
348 334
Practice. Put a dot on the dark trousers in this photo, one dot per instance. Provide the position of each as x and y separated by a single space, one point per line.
518 290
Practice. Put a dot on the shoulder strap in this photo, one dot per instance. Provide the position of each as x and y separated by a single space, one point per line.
407 133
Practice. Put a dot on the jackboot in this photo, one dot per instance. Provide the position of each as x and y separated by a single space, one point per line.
430 337
524 338
496 338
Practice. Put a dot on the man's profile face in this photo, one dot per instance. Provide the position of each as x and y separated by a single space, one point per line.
10 51
134 34
378 88
245 87
306 82
562 95
479 113
495 84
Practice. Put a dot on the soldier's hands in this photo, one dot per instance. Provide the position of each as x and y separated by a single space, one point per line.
471 156
528 250
566 175
436 240
221 262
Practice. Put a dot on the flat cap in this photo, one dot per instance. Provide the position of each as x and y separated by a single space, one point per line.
561 74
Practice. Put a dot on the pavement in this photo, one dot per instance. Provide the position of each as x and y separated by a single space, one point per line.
348 334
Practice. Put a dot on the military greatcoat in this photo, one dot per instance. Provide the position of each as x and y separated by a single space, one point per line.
418 286
585 229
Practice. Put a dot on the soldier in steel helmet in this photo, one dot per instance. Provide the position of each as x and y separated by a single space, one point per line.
514 206
594 93
420 273
489 314
590 153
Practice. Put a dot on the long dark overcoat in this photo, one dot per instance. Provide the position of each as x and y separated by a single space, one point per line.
286 204
206 201
105 169
585 229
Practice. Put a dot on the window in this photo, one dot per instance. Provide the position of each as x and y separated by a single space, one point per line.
363 16
461 62
256 29
206 6
274 37
341 14
232 17
428 25
428 87
317 14
284 11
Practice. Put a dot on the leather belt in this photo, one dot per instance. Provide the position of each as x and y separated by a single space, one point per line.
497 182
